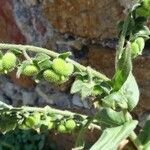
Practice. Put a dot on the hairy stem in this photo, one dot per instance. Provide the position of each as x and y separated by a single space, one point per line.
133 138
50 110
52 54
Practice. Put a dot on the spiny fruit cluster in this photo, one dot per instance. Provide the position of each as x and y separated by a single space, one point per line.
8 62
56 70
137 46
53 121
59 72
144 9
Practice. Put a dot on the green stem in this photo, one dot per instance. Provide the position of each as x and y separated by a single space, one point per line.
52 54
50 110
133 138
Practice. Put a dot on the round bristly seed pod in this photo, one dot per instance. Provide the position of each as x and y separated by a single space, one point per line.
50 76
9 61
141 43
30 70
62 68
70 124
135 49
61 128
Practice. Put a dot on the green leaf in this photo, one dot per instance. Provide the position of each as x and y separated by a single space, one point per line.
106 87
43 61
76 86
123 69
147 146
142 31
97 90
39 76
114 100
41 57
7 122
16 51
80 142
131 91
65 55
107 117
144 135
46 64
111 137
139 21
86 90
127 97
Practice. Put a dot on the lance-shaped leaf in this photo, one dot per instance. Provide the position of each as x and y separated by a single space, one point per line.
144 136
123 68
111 137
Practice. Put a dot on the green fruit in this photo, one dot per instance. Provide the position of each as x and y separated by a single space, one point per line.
33 120
1 66
69 69
51 76
30 70
137 46
50 125
141 43
47 122
146 4
9 61
135 49
70 124
30 121
62 68
61 128
144 12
